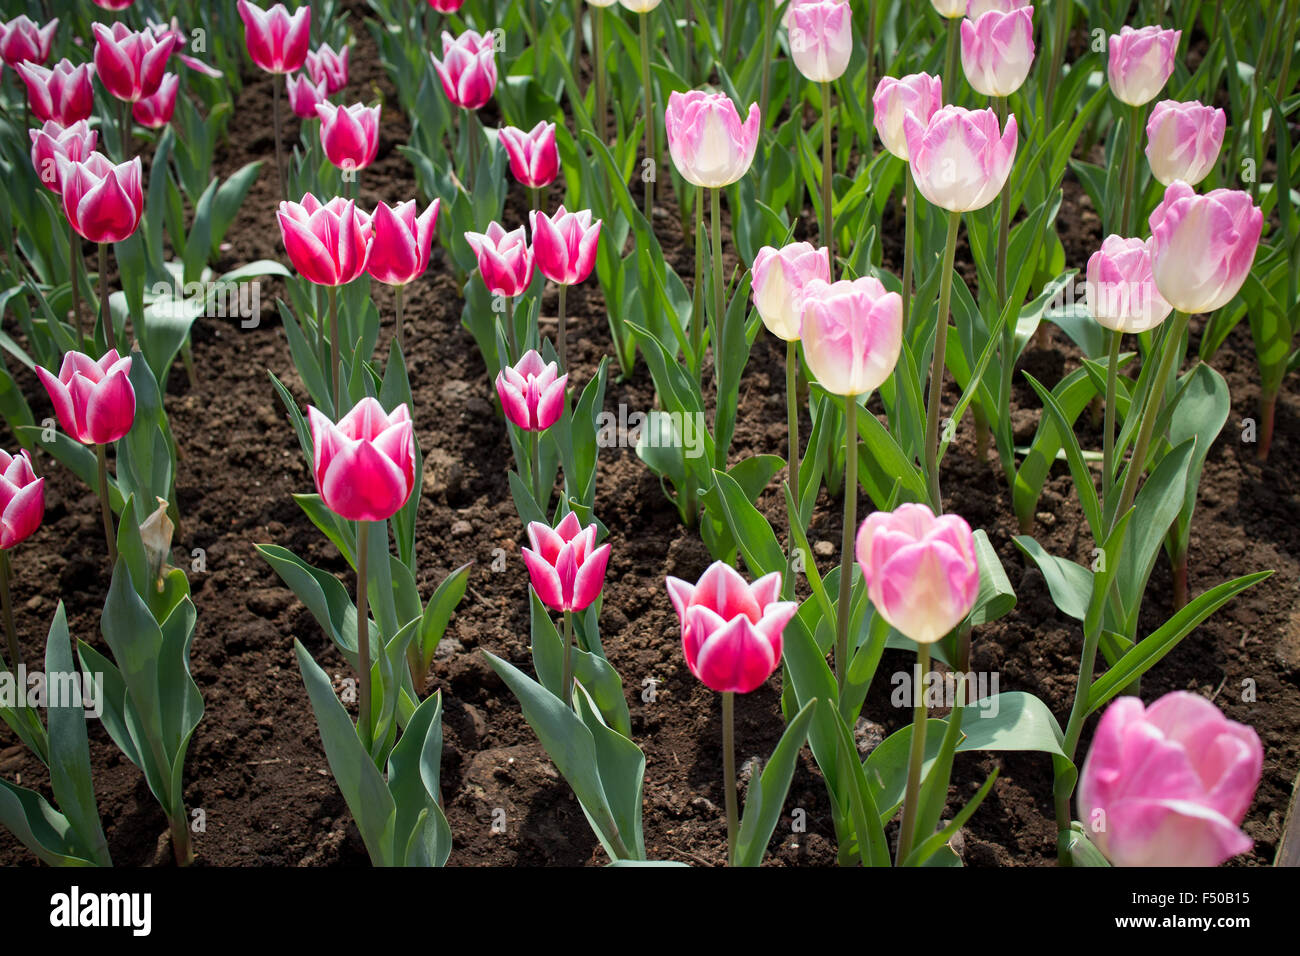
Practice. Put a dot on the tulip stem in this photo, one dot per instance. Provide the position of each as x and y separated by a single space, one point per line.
937 364
471 136
363 632
1063 788
536 464
719 318
6 602
651 154
598 65
1130 170
828 225
124 129
566 681
951 76
182 848
279 147
1108 432
1006 450
916 756
909 240
846 547
105 508
74 269
729 771
698 318
769 35
105 313
397 304
1061 36
792 425
560 335
335 361
511 337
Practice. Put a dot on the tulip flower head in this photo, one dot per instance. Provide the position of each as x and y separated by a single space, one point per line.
22 41
977 8
565 567
918 93
400 241
446 6
51 142
1141 62
329 243
1121 291
709 145
130 64
960 159
94 401
532 392
780 276
277 41
103 202
920 570
504 259
304 95
115 5
534 157
1184 141
640 6
852 333
64 94
365 464
731 630
821 38
950 9
22 499
564 245
324 65
155 112
1202 247
997 50
1169 784
468 68
349 135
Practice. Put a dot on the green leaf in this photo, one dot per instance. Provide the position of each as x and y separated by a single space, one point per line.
996 597
766 796
1070 584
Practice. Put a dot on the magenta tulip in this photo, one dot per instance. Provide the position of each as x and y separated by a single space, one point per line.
920 570
103 202
53 142
328 243
532 392
731 630
918 93
565 567
821 37
304 95
155 112
1141 62
852 333
130 64
504 259
22 499
400 241
65 94
468 68
364 465
22 41
709 144
1184 141
960 159
276 41
94 401
1121 291
446 6
564 245
534 157
1169 784
349 135
779 279
1202 247
997 50
115 5
325 65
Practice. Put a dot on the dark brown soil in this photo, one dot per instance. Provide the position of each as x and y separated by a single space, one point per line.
256 766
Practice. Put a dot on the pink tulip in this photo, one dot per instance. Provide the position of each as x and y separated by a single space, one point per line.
276 41
1202 247
114 5
22 499
155 112
997 50
780 276
504 259
821 38
103 202
1122 294
950 9
1184 141
64 94
1169 784
709 145
304 95
534 157
920 570
977 8
532 393
959 159
94 400
1141 62
918 93
564 245
324 65
51 142
130 64
565 567
468 68
852 333
731 630
364 465
328 243
349 135
446 6
22 41
400 241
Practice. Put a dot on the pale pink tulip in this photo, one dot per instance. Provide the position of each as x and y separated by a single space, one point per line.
1202 247
821 37
564 245
977 8
94 401
997 50
960 159
1141 62
1121 291
918 93
364 465
852 333
950 9
709 145
565 567
780 276
532 392
1184 141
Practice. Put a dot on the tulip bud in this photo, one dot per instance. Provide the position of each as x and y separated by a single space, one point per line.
129 64
94 401
731 630
22 499
156 535
446 6
950 9
400 241
504 259
349 135
919 93
565 567
959 160
640 6
709 145
53 142
64 94
276 41
564 245
1169 784
155 112
328 244
304 95
1121 291
468 69
1184 141
779 278
852 333
326 66
22 41
364 465
920 570
821 38
103 202
534 157
1141 62
997 51
1202 247
532 392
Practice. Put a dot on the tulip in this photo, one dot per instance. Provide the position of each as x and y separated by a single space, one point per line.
564 247
103 202
349 135
997 51
565 567
328 243
22 41
1121 290
709 144
130 64
94 401
22 506
276 40
780 277
1141 62
918 93
64 94
821 38
449 6
304 95
52 141
852 333
1202 247
1184 141
399 248
977 8
504 259
532 392
155 112
959 158
468 68
324 65
640 6
950 9
534 157
114 5
1169 784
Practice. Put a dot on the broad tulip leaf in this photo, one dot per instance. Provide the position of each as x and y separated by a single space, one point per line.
766 796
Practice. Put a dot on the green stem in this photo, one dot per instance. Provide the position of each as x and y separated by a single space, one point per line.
729 771
1006 451
792 424
1063 788
363 632
279 148
719 319
846 538
6 603
511 337
698 318
828 225
566 681
1108 432
335 360
1061 34
909 241
951 68
536 464
598 64
1004 222
182 848
651 174
560 336
397 306
471 143
1130 170
105 313
916 756
106 509
937 364
769 36
74 269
